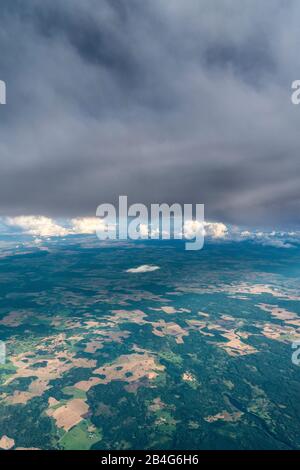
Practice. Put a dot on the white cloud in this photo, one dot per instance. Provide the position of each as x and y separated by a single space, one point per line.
193 228
215 229
245 234
277 243
38 226
273 238
86 225
145 268
41 227
144 230
152 231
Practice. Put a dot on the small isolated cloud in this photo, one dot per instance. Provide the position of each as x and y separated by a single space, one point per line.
145 268
38 226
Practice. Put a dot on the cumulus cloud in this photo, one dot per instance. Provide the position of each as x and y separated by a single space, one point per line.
193 228
41 227
145 268
277 243
215 229
38 226
277 239
86 225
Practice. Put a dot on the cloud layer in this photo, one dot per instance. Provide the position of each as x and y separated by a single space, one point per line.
180 101
42 228
38 226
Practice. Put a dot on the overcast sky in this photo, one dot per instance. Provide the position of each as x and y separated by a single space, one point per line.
163 100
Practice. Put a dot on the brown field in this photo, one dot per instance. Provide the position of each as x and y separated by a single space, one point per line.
224 416
15 318
188 377
130 316
279 313
130 368
55 367
162 328
157 405
70 414
280 333
93 346
6 443
85 385
235 347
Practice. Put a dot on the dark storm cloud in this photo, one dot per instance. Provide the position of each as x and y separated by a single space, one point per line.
165 101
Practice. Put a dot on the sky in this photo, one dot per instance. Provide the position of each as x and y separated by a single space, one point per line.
161 100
